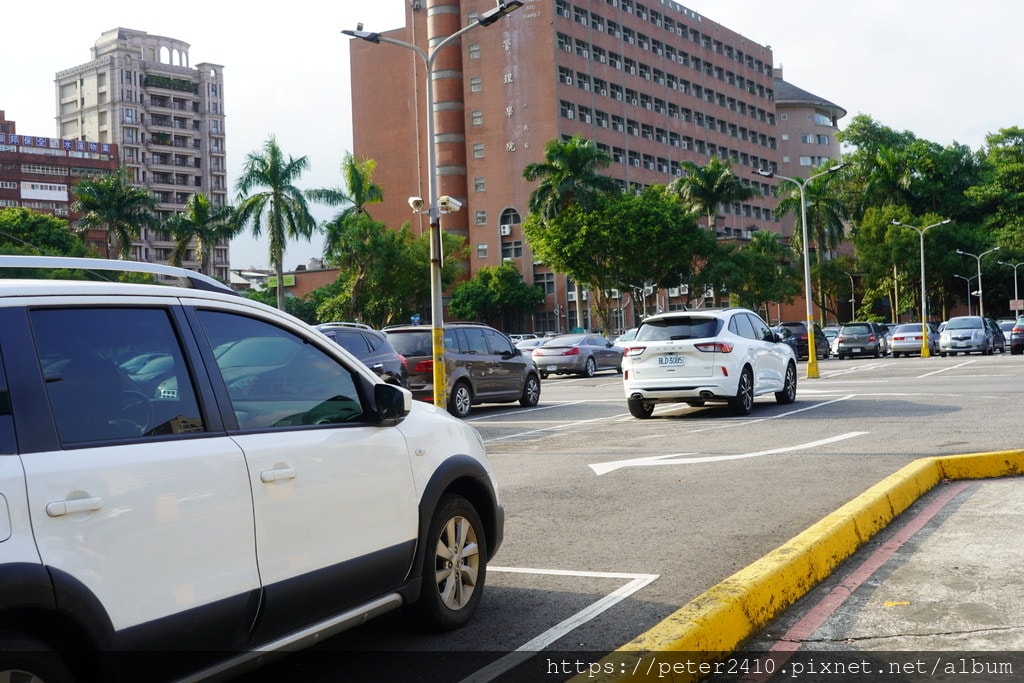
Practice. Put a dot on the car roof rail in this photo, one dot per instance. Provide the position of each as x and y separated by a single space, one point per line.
359 326
187 278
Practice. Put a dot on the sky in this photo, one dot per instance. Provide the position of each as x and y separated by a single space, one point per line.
949 72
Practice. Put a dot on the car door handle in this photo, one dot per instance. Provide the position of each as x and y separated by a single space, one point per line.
59 508
279 474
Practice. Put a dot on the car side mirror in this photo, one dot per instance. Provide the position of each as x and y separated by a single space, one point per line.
393 403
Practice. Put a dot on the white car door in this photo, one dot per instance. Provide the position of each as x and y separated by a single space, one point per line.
136 506
770 363
335 506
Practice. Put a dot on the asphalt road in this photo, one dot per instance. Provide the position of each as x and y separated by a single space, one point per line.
613 523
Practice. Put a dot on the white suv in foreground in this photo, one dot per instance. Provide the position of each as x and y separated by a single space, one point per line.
725 355
190 480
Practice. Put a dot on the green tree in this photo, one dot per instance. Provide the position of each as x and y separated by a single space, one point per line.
202 224
762 272
278 207
826 213
392 272
707 187
23 231
569 175
625 239
494 292
112 203
359 191
999 193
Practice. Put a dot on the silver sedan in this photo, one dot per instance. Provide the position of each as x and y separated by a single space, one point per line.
577 354
906 340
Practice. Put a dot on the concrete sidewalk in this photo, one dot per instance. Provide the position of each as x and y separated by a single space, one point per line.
928 560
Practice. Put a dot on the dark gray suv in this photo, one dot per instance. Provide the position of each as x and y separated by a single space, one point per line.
482 366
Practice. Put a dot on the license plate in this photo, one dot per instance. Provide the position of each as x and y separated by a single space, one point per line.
959 345
670 360
855 349
552 368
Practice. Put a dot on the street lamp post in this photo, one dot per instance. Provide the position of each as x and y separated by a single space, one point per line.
981 294
925 353
968 281
503 8
1016 298
812 356
853 295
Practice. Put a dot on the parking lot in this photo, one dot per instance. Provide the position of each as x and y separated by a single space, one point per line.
613 523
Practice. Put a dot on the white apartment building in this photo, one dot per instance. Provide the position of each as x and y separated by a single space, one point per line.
141 92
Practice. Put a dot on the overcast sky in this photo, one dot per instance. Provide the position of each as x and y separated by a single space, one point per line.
947 71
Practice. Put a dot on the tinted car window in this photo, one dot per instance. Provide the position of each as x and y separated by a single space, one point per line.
276 379
499 343
120 375
682 327
351 341
7 441
739 324
761 329
475 341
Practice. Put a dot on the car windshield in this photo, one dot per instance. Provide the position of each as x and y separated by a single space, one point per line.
682 327
964 324
411 343
856 329
905 329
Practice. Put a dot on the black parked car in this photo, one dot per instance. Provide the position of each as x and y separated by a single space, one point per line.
371 347
822 346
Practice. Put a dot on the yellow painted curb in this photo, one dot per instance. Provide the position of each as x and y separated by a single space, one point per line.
716 622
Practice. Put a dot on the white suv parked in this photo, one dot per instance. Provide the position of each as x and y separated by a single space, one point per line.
191 472
725 355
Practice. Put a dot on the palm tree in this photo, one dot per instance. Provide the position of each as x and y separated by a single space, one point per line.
568 175
202 224
113 204
279 207
358 175
705 188
826 215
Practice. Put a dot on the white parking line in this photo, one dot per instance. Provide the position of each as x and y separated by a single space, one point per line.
680 459
528 650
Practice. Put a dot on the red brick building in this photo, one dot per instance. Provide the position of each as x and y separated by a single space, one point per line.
39 172
652 83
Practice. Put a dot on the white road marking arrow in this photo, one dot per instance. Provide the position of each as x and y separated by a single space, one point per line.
680 459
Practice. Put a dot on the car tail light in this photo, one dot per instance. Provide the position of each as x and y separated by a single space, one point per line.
424 366
634 350
714 347
403 361
570 352
1017 330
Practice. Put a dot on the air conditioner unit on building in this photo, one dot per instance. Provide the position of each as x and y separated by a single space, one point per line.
505 229
673 291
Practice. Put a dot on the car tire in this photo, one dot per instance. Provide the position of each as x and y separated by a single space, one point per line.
788 393
531 392
461 400
640 408
454 567
27 659
589 368
743 402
